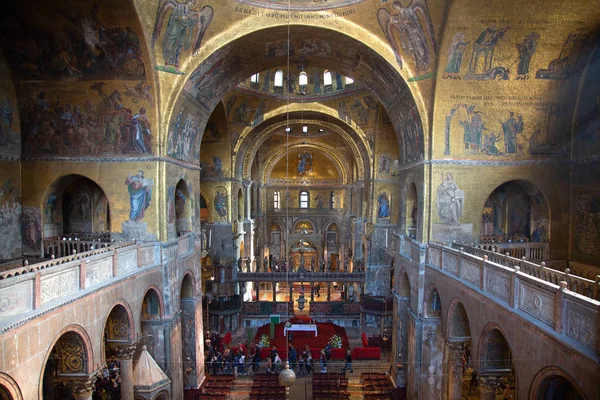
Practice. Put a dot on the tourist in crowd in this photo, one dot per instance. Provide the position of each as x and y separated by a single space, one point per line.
277 363
328 351
323 361
348 364
292 356
242 364
273 354
255 360
269 365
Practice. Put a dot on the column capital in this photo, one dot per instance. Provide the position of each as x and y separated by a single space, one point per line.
247 183
488 384
124 351
81 388
456 350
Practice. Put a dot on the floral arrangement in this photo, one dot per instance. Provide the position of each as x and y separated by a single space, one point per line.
264 341
335 341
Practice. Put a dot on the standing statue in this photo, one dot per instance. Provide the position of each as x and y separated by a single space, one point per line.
265 264
329 263
239 264
248 265
449 201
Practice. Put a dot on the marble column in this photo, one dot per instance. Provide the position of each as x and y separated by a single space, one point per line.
454 369
312 292
257 290
328 291
125 356
247 199
274 291
488 385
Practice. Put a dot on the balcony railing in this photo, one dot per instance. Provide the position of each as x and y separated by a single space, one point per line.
583 286
378 305
233 304
301 276
530 288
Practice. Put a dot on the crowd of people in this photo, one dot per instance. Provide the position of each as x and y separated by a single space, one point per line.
108 382
225 360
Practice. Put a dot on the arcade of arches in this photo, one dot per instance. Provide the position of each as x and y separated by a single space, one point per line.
426 172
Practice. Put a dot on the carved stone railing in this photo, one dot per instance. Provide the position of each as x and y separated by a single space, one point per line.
232 305
62 247
536 251
377 305
546 298
583 286
53 263
301 277
340 308
89 236
31 289
267 307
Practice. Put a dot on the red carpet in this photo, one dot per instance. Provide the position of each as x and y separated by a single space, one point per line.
300 339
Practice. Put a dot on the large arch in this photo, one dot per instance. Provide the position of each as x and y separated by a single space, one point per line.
214 75
553 383
9 388
75 204
77 357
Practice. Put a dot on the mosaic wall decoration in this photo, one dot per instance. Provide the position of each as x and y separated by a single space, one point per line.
459 322
72 355
497 354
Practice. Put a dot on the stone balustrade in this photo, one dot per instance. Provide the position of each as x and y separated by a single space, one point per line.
27 268
33 289
61 247
301 276
545 298
583 286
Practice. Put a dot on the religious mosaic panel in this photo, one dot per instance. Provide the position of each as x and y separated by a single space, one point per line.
87 119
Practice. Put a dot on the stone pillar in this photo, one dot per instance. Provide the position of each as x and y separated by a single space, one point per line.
454 369
125 356
312 292
257 290
274 291
81 388
328 291
247 199
488 385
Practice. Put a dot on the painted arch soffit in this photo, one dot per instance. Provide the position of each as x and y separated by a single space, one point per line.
306 108
329 152
366 57
262 136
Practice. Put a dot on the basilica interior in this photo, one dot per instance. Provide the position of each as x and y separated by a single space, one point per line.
318 199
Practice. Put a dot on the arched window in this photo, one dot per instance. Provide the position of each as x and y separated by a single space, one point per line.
276 204
303 79
349 80
304 199
254 78
332 200
327 78
278 78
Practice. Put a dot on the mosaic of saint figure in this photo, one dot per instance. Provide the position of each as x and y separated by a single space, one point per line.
384 205
405 32
221 204
184 24
140 195
449 201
